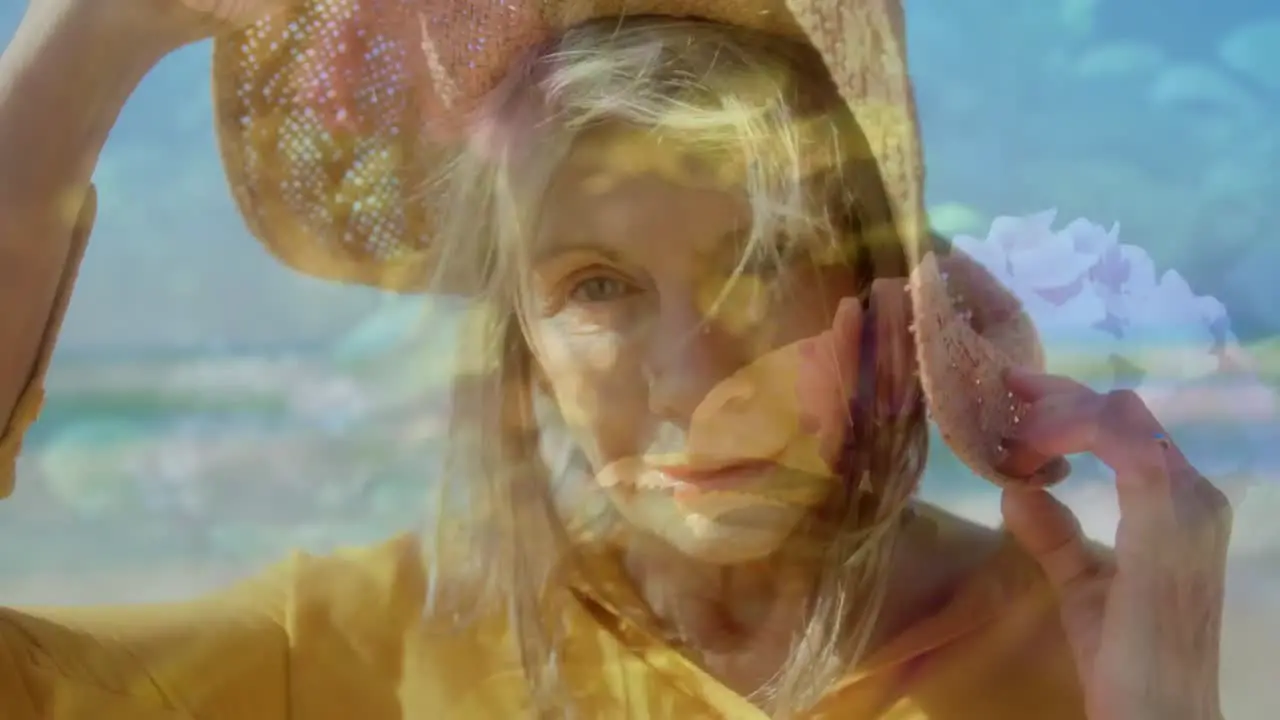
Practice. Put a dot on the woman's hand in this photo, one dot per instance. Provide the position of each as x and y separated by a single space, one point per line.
167 24
1143 624
211 17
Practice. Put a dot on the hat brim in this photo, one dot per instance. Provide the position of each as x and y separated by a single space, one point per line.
337 195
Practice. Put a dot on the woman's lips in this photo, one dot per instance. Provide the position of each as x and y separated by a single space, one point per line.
685 480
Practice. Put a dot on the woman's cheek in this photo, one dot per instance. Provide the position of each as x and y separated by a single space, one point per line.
790 400
581 368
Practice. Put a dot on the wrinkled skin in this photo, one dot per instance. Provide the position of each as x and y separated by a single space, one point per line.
650 373
627 267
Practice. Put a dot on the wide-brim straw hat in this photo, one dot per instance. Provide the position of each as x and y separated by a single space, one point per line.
332 116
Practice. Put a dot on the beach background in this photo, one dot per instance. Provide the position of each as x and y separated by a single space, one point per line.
209 410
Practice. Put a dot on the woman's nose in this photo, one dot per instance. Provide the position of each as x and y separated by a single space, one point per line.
691 352
735 398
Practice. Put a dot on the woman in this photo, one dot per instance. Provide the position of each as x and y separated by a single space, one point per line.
688 257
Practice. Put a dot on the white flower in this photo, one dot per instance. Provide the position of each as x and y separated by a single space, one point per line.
1089 293
1048 272
1099 304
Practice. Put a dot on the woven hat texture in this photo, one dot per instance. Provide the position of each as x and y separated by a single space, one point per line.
334 115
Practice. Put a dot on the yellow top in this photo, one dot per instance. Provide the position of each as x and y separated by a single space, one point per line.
344 638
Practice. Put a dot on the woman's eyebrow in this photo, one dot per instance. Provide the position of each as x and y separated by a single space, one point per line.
552 250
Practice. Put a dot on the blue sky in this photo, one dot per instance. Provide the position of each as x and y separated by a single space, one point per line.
1064 103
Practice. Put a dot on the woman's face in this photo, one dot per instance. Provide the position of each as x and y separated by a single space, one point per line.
712 427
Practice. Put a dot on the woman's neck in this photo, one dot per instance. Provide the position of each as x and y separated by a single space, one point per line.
739 621
712 605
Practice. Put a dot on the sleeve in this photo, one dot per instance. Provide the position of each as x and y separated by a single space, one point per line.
223 656
314 638
311 639
32 396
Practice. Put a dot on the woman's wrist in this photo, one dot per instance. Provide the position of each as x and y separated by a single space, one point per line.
64 77
122 41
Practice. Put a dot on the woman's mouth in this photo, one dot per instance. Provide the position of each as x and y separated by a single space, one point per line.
689 481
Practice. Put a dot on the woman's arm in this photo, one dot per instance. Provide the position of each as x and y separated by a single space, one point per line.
320 638
223 656
299 641
63 80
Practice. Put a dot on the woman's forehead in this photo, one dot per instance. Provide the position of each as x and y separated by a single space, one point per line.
612 152
632 191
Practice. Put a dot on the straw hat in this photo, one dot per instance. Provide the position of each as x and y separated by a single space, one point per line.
324 166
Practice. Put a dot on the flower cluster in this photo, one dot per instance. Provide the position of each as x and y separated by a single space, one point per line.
1108 318
1089 292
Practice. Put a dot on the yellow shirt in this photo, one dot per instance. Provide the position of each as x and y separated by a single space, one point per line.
344 638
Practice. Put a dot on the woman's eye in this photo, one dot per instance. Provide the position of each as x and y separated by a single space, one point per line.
599 288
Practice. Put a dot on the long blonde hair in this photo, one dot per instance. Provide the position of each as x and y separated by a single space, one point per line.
764 106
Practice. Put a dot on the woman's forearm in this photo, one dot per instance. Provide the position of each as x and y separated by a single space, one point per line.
63 80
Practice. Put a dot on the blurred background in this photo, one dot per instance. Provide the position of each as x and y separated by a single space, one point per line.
209 410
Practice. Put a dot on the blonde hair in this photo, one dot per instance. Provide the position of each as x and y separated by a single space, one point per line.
764 106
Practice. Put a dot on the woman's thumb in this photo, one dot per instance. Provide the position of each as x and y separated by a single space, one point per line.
1050 533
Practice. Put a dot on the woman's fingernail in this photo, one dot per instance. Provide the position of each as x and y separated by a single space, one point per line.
1020 461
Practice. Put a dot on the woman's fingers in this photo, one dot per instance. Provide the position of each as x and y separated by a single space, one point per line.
1068 417
1117 428
1145 633
1032 386
1050 396
1158 488
1050 533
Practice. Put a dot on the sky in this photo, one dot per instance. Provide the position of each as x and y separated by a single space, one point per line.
1136 113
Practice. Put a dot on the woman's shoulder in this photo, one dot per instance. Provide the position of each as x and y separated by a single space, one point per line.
372 594
999 644
377 589
391 567
975 550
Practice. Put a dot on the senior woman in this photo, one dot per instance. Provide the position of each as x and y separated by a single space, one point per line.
692 234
